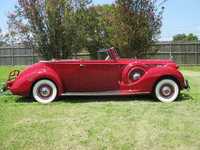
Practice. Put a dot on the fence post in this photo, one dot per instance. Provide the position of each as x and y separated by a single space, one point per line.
196 53
12 56
33 57
170 53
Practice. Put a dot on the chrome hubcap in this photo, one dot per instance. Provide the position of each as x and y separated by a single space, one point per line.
136 76
166 90
44 91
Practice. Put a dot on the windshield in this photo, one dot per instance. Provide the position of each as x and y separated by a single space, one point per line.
115 52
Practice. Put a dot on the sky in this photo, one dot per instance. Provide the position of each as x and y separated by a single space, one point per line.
180 16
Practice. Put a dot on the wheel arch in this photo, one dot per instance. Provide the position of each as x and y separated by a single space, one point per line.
166 77
42 78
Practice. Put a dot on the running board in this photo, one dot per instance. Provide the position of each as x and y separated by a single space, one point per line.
102 93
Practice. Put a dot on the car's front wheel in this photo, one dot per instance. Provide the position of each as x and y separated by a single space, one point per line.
44 91
166 90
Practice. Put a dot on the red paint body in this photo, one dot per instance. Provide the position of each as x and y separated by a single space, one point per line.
95 75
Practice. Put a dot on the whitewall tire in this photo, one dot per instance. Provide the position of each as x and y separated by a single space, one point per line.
44 91
166 90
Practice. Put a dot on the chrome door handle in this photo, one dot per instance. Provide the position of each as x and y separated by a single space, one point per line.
81 65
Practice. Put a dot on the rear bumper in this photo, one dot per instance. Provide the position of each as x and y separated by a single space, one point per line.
10 81
3 89
6 86
186 85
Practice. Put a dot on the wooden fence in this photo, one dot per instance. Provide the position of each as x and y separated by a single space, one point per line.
184 53
17 56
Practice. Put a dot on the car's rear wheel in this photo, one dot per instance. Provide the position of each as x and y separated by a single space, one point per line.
166 90
44 91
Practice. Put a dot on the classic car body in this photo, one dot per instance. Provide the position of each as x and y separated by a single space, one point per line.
46 80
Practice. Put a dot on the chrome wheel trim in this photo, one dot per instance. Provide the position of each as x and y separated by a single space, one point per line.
167 96
42 96
133 71
136 76
44 91
166 90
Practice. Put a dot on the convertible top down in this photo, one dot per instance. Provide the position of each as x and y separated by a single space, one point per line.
47 80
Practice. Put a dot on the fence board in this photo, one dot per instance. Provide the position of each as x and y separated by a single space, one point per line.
184 53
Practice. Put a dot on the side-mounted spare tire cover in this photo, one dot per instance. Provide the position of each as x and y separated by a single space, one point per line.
133 72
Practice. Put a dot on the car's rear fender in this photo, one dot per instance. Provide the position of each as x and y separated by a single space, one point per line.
23 85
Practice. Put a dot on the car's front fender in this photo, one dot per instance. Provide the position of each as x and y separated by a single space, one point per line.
23 85
146 82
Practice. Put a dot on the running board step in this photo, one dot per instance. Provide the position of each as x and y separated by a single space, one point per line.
102 93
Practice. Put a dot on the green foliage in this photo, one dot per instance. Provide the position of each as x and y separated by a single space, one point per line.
1 36
128 25
56 28
191 37
179 37
132 26
183 37
134 23
44 30
92 28
2 43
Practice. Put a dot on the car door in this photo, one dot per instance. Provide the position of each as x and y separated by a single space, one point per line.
68 71
99 75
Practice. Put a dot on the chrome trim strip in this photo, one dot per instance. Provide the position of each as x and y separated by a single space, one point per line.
60 60
103 93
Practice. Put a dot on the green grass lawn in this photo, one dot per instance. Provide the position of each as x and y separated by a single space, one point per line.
115 122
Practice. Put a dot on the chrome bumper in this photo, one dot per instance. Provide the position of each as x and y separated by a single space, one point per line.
4 89
186 85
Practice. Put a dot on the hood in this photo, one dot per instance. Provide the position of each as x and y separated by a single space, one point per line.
150 62
146 61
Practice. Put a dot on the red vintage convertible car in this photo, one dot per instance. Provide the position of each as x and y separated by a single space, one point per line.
47 80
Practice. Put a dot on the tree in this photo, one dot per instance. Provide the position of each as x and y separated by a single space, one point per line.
1 42
179 37
91 26
183 37
135 26
56 28
44 30
128 25
191 37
